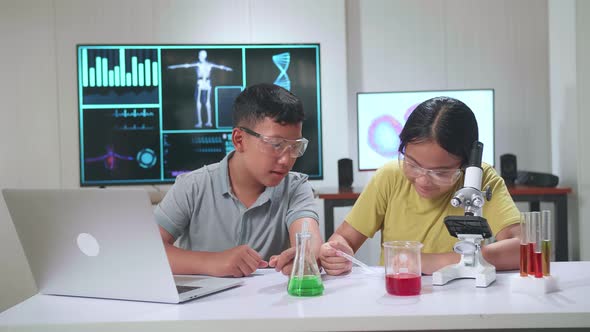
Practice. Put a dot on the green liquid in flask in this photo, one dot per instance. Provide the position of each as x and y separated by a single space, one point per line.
306 286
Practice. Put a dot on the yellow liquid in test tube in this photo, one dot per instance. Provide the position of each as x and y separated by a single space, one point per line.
546 254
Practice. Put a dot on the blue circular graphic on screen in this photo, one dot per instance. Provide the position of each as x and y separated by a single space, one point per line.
384 135
146 158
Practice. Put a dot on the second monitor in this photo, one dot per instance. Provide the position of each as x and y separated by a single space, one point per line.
381 117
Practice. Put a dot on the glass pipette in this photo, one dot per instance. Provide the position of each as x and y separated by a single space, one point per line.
354 260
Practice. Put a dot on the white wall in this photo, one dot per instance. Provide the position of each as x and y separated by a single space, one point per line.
29 145
136 21
564 108
459 44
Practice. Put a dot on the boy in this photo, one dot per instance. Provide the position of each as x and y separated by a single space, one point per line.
240 214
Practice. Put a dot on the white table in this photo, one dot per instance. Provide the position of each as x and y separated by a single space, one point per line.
350 303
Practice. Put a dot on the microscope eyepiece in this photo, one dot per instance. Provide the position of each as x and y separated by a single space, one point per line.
476 154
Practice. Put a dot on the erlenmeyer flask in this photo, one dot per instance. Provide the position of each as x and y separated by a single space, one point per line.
305 277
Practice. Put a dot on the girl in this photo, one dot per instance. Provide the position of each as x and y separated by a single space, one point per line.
408 199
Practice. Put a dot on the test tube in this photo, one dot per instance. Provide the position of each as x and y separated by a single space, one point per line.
523 244
546 241
537 254
531 239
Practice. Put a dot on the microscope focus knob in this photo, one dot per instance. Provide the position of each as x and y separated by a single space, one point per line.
488 193
455 202
477 202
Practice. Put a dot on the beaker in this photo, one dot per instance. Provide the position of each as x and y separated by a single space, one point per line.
305 277
403 269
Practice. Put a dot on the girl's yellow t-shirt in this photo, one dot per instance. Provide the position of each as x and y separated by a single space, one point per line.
390 204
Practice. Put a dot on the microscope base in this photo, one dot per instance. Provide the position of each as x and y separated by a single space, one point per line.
483 275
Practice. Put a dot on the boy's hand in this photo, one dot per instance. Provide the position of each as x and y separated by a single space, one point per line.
283 262
239 261
331 262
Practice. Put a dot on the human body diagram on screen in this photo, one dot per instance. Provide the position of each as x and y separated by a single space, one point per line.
203 70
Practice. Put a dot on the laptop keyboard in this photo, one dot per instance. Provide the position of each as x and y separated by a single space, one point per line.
184 289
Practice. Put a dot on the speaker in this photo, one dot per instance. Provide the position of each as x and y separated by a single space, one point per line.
345 173
508 169
537 179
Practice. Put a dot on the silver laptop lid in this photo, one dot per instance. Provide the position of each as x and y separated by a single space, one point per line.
92 242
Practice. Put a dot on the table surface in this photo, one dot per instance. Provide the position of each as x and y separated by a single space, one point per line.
354 302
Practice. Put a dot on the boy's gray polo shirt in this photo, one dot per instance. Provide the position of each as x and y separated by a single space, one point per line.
201 209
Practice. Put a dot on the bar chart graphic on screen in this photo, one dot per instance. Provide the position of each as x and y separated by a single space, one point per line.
111 74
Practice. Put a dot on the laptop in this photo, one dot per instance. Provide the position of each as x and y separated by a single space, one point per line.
101 243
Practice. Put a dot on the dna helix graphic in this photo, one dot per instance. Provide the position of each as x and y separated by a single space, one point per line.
282 62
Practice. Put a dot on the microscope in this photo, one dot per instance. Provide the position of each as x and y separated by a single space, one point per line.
471 229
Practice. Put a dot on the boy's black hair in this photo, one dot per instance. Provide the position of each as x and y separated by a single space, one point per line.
263 100
447 121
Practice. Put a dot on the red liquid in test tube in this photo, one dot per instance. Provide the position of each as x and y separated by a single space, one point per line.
532 240
531 259
538 264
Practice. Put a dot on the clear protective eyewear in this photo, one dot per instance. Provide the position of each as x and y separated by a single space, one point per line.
441 176
276 146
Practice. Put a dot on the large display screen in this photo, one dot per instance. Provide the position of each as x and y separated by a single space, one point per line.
381 117
148 113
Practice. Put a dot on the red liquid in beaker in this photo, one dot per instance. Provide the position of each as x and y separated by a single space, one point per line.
403 284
